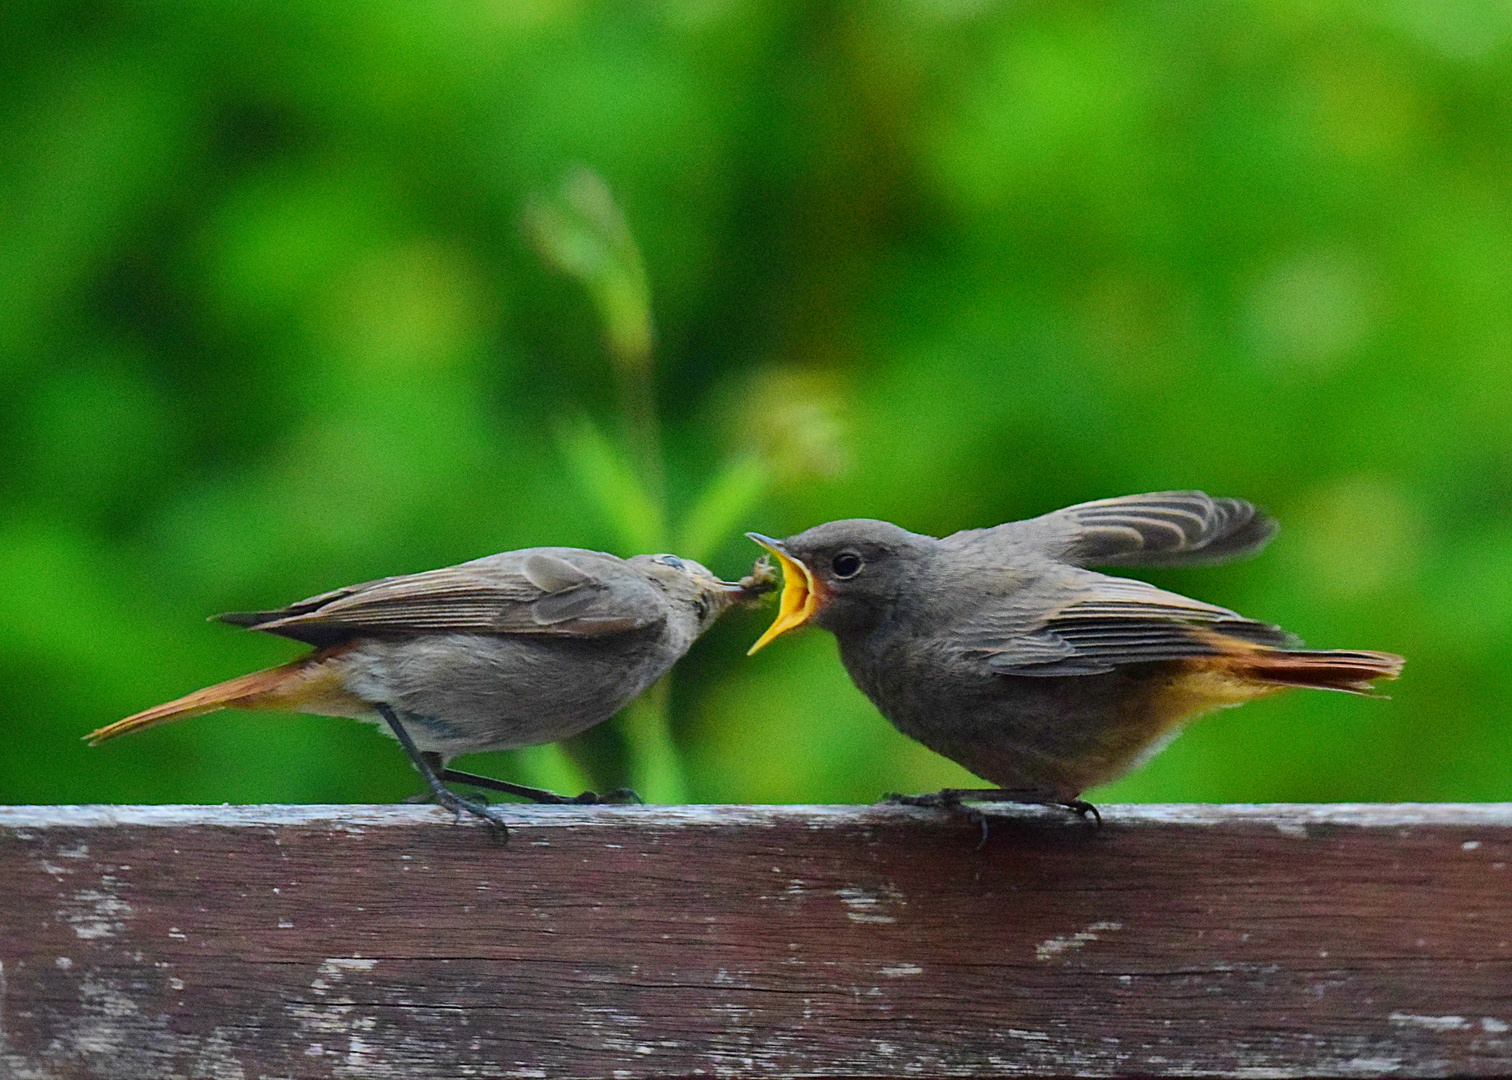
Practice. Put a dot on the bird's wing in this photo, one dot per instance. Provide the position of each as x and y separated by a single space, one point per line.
1164 528
531 592
1106 623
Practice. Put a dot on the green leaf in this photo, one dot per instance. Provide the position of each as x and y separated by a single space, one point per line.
607 480
580 230
548 766
656 769
722 506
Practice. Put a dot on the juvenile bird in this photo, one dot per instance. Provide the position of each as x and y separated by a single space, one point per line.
501 652
998 648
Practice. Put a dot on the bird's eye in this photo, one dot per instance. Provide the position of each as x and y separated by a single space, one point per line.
670 560
847 564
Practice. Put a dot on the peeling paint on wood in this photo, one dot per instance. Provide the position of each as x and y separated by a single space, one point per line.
240 942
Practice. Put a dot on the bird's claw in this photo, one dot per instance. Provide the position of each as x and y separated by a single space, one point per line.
1083 809
943 800
458 806
971 813
931 800
958 800
617 797
622 797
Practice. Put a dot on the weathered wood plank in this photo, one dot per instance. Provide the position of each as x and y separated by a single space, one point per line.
1269 941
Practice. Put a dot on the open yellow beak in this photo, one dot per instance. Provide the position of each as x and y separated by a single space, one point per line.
800 594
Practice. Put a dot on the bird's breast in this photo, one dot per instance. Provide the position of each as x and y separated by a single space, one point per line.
505 691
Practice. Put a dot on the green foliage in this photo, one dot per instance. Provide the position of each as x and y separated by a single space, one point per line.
609 484
583 233
294 295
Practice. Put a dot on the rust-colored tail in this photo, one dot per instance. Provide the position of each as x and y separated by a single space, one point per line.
1334 669
272 688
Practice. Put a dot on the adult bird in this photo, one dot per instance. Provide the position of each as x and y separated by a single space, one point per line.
1001 650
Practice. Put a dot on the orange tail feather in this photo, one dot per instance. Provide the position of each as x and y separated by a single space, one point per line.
1335 669
270 688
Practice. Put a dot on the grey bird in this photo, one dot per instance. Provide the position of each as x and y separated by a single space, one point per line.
505 651
999 649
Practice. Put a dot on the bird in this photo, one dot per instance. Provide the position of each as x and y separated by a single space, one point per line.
505 651
1002 650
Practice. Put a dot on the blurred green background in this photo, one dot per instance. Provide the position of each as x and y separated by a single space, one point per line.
294 295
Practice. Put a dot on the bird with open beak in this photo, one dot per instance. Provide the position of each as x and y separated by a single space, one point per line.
502 652
999 649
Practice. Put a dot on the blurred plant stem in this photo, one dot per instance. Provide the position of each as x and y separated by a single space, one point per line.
612 486
722 505
656 764
581 232
549 766
637 401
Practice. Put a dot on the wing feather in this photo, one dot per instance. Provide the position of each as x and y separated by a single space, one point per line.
560 591
1163 528
1108 623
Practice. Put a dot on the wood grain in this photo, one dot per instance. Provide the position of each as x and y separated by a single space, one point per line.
1269 941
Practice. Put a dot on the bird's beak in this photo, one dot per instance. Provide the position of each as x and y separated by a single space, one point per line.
801 594
726 594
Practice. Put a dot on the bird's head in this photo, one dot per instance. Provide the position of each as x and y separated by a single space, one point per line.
841 575
694 585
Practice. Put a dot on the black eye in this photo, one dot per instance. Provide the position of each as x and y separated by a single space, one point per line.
846 564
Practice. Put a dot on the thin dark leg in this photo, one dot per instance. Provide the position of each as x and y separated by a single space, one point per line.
541 795
449 799
955 799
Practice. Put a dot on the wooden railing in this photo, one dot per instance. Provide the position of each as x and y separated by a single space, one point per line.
267 941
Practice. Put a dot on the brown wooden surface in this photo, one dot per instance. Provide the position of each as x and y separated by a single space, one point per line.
754 941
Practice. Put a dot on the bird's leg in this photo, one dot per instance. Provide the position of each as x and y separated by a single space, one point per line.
449 799
954 799
618 797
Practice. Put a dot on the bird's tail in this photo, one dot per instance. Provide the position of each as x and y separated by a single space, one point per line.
286 686
1333 669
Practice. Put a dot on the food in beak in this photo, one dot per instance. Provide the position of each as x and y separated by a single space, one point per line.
800 594
750 589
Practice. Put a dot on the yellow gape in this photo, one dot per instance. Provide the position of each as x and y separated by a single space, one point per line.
801 594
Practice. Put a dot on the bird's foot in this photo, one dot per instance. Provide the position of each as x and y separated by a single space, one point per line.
934 800
957 800
618 797
948 800
426 763
1084 810
458 806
